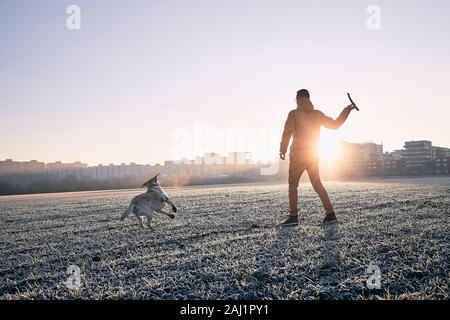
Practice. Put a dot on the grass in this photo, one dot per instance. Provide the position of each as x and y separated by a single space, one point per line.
224 244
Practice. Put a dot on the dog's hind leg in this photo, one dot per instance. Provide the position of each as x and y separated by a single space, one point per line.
170 215
140 212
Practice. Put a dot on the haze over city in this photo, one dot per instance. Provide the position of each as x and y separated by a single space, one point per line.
133 79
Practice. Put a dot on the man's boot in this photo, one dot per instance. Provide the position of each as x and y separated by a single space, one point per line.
329 217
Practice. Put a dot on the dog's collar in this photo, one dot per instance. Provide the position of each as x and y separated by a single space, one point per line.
154 187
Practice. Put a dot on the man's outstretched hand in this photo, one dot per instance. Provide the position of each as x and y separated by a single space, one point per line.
282 156
350 107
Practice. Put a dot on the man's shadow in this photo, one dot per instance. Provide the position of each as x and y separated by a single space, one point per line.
272 257
269 258
331 248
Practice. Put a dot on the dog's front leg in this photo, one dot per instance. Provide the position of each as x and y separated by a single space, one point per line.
149 221
141 222
174 209
170 215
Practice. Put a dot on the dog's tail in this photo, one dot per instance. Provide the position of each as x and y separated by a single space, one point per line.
127 211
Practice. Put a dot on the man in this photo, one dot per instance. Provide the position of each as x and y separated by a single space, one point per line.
303 124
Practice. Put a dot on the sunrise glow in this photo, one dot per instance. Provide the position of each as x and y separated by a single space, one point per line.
328 147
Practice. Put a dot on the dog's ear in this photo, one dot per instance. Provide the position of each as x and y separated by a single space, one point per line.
156 177
145 184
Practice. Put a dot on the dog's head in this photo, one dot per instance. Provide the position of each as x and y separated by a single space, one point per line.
151 182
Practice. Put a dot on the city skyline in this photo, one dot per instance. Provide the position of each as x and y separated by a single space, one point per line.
217 157
416 158
134 74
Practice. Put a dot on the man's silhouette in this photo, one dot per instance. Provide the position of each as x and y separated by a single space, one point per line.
303 124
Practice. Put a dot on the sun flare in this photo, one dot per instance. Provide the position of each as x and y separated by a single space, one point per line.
328 147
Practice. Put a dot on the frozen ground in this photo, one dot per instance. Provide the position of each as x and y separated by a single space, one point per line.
224 244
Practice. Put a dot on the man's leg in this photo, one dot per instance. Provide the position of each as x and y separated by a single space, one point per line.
296 169
314 177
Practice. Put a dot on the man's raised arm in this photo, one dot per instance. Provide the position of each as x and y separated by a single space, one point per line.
331 123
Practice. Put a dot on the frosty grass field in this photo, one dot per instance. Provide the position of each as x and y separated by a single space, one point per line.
224 244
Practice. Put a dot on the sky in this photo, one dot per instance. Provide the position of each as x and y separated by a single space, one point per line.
147 81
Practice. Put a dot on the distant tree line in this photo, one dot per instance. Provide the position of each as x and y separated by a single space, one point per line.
43 184
28 184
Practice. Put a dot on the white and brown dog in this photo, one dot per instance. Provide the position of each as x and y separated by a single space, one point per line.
146 204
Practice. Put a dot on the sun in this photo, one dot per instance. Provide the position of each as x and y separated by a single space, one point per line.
328 147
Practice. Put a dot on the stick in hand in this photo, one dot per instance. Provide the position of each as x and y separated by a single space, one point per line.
352 102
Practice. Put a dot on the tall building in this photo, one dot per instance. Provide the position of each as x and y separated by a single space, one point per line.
60 165
360 159
392 164
16 167
9 166
438 152
213 158
361 151
441 160
397 154
101 172
238 158
418 156
442 165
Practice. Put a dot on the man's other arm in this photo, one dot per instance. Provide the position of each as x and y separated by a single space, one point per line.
289 128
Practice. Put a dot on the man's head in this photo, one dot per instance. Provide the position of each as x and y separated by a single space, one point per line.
303 101
303 93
